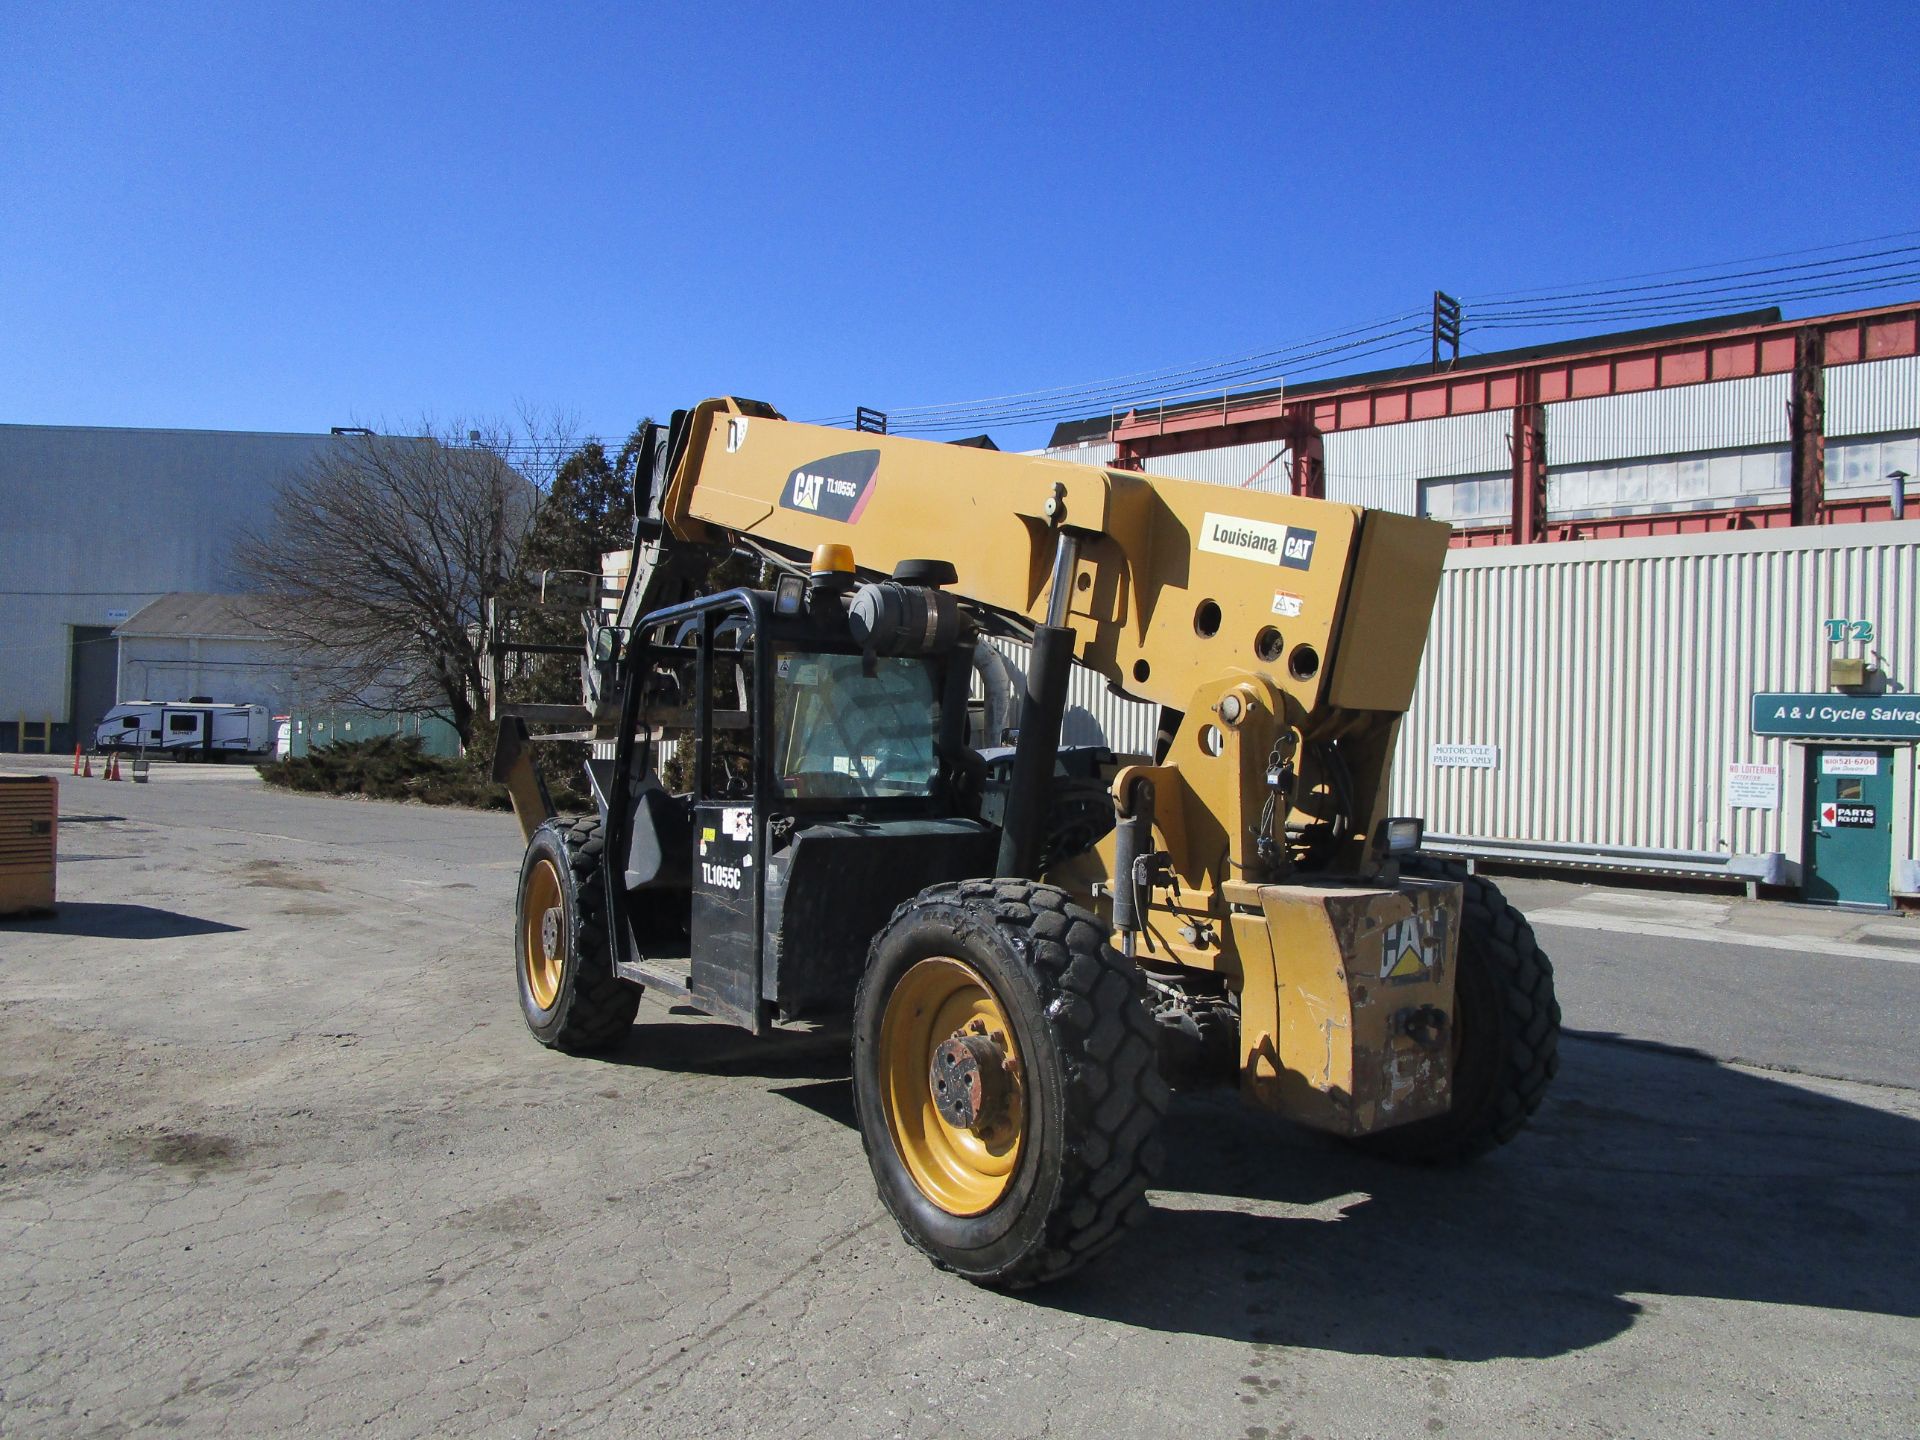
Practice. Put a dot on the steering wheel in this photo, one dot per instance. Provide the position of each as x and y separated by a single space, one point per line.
738 782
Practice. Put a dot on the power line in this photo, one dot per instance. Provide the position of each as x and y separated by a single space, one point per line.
1246 377
1142 382
1691 269
1692 286
1656 310
1246 380
1133 381
1610 300
1885 276
1718 284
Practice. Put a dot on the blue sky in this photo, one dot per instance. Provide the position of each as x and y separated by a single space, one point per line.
278 217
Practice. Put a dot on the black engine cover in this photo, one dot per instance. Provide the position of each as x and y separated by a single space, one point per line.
832 888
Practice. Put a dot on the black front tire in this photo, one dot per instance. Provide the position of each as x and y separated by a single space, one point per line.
1508 1023
591 1009
1093 1095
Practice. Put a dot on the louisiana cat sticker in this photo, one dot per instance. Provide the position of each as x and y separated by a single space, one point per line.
1260 540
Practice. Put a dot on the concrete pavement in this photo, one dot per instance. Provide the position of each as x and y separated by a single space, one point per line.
1779 986
279 1158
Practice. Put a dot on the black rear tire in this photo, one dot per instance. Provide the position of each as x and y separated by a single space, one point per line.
1092 1096
589 1008
1508 1023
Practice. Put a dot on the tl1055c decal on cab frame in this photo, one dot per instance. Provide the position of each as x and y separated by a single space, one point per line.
836 488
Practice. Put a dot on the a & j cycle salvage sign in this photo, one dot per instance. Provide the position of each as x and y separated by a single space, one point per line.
1853 717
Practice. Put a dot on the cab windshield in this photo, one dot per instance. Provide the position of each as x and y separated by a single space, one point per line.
839 732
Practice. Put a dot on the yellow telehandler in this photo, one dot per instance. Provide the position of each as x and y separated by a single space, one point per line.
1029 939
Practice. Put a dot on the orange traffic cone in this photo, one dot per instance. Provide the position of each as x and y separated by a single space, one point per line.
76 759
113 766
87 773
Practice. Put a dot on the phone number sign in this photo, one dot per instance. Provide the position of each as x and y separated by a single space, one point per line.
1864 717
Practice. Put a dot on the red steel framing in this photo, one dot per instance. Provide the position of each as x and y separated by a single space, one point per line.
1803 348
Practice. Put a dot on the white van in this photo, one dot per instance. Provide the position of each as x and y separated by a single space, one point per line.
196 727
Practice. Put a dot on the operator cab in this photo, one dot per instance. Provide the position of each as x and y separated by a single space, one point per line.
796 773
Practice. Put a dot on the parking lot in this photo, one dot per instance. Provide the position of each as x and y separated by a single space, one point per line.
279 1157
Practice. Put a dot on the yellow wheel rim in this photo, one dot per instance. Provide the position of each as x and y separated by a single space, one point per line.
543 934
963 1169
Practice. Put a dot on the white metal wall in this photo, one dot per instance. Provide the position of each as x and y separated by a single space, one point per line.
1093 452
1381 467
97 522
1721 415
1873 426
1095 715
1693 446
241 672
1690 448
1257 467
1873 398
1614 678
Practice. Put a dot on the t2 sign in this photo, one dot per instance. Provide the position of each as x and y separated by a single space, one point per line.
1839 632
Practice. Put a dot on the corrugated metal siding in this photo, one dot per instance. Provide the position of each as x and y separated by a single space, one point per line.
1095 715
1099 452
1235 465
1615 675
1382 466
1397 493
1722 415
1873 398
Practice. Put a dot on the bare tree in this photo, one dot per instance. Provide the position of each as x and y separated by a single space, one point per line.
382 553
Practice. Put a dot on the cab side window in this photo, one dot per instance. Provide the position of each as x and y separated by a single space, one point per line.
730 711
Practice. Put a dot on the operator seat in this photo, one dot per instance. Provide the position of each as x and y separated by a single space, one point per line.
660 856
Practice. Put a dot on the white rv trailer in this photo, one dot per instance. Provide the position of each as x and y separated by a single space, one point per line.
186 728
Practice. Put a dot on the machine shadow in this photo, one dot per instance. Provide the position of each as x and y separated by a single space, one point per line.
818 1059
712 1047
104 921
1649 1172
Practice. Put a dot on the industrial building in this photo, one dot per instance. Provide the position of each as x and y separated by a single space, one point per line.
1655 532
117 582
99 523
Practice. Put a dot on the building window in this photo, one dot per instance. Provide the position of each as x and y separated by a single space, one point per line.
1468 499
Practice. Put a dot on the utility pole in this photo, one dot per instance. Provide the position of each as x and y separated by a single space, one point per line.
1806 427
1446 327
